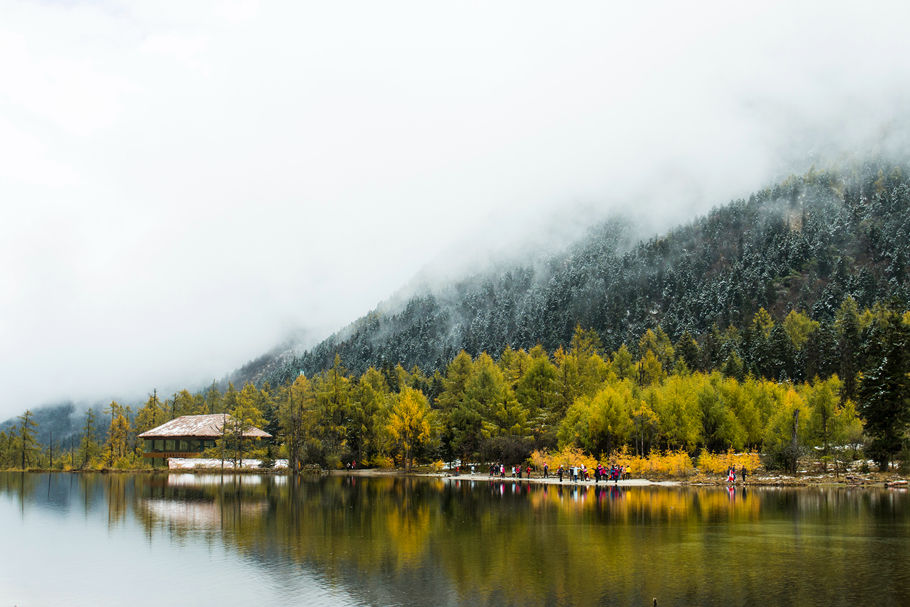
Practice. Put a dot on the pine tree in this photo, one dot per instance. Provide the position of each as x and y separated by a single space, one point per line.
884 391
848 345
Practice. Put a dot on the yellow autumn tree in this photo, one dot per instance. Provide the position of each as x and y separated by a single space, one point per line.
409 423
117 445
799 327
650 370
762 323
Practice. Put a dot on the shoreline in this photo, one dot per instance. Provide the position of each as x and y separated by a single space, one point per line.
849 481
552 480
872 480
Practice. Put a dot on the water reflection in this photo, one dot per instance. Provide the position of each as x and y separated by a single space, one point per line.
430 541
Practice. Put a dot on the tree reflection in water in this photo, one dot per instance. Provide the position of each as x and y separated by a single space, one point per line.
417 541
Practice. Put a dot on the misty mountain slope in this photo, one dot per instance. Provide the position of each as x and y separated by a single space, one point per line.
266 366
57 424
805 244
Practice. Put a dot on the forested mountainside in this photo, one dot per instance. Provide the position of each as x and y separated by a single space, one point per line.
56 423
805 244
715 336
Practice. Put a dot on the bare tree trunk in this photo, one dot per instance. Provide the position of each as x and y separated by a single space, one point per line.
223 436
794 443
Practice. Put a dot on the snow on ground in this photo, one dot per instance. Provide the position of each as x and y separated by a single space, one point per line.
191 463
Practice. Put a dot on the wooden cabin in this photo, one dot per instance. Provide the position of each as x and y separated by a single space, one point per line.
189 435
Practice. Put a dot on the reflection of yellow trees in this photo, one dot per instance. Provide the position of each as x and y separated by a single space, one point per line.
117 497
408 531
647 503
578 541
490 542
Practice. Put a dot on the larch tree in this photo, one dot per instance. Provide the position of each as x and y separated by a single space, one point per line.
623 363
458 373
645 423
297 416
88 446
151 414
488 393
410 423
650 370
118 433
823 402
244 417
799 327
28 444
688 351
537 392
371 392
333 399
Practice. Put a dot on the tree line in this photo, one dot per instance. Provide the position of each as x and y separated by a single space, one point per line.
725 389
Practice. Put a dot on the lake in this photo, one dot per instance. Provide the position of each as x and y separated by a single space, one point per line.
187 539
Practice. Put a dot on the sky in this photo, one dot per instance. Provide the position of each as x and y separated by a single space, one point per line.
183 185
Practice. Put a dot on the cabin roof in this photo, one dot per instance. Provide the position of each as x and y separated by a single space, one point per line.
198 426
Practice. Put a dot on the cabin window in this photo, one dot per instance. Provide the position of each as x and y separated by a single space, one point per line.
209 443
148 444
159 444
184 445
170 445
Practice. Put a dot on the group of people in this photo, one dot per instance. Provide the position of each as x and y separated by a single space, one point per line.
601 473
515 471
574 473
731 474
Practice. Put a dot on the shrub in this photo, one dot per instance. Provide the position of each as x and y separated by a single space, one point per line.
671 463
719 463
333 462
267 460
382 461
566 457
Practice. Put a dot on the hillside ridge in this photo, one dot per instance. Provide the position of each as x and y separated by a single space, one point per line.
804 244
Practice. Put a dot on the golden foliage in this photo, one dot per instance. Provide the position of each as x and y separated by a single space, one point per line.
719 463
670 463
382 461
567 457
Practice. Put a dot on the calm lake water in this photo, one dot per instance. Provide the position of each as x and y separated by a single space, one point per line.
184 539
